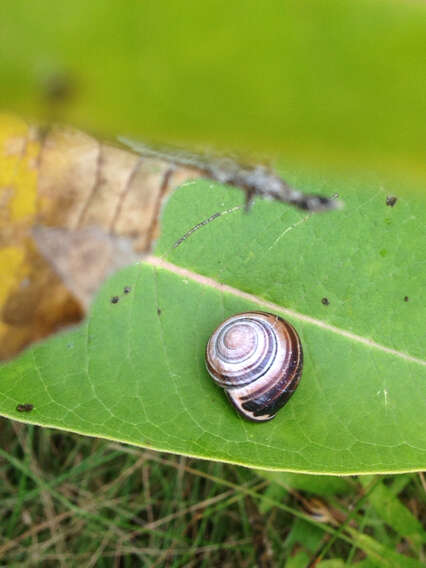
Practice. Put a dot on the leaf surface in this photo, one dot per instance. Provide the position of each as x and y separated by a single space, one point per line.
135 372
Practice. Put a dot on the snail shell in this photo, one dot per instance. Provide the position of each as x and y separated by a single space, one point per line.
257 358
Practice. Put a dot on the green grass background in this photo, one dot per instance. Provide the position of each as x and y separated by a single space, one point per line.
74 501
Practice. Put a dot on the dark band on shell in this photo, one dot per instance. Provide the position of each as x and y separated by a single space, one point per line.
257 358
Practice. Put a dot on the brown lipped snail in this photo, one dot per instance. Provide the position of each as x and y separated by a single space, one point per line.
257 358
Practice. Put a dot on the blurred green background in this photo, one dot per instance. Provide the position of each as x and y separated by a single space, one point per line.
332 83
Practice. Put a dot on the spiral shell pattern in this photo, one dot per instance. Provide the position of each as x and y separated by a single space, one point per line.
257 358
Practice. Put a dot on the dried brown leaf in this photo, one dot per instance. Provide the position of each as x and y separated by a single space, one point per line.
73 210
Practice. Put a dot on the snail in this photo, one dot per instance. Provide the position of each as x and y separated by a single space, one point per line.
257 358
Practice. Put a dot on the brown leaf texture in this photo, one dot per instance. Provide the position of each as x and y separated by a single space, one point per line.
72 211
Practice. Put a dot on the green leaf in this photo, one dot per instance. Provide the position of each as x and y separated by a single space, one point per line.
327 82
365 259
135 372
299 560
305 534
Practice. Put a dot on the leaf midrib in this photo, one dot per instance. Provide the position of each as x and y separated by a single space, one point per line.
158 262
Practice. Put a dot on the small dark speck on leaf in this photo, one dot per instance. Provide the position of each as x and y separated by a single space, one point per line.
405 298
127 289
325 301
391 200
24 407
159 311
115 300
